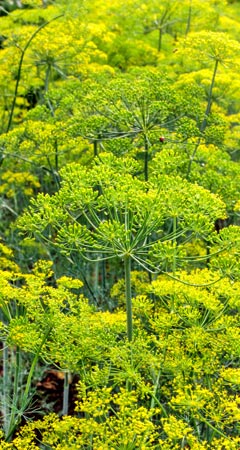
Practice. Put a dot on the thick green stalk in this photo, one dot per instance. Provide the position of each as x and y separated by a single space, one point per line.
128 293
56 175
5 395
174 243
103 280
174 264
95 148
146 148
66 387
96 279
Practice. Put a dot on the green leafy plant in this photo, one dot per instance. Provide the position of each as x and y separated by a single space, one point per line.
119 139
100 215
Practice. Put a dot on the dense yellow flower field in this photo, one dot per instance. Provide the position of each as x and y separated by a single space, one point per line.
120 230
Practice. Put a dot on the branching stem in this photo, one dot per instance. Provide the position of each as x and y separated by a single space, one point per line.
128 293
23 51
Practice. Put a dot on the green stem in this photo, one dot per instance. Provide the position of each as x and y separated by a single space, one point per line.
155 389
209 103
191 159
154 394
146 158
95 279
20 68
204 122
127 268
156 401
174 265
56 160
95 148
175 244
52 169
160 35
220 433
103 265
189 18
47 78
14 406
32 368
5 396
16 413
66 387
